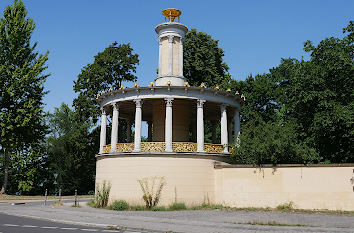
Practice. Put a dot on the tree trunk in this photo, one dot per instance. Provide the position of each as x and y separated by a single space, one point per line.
6 172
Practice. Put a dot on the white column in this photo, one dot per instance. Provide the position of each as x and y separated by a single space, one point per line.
129 130
170 55
137 134
237 128
103 130
160 55
224 134
181 57
168 125
115 122
200 126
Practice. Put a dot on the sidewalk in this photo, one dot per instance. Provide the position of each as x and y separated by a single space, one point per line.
200 221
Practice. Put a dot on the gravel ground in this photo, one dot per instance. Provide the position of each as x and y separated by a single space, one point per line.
187 221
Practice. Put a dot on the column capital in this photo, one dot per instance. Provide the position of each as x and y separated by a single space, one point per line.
170 38
223 107
200 103
103 111
138 103
169 102
159 40
115 106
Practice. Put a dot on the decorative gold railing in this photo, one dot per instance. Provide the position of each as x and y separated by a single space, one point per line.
160 147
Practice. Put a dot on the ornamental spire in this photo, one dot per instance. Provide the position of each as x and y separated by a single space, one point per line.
171 14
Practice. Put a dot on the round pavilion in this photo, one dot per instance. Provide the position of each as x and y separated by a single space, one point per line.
175 113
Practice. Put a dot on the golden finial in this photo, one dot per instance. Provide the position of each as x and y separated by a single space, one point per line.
217 87
171 14
136 85
152 84
202 85
186 84
243 97
110 89
237 93
103 92
121 87
169 83
228 90
98 95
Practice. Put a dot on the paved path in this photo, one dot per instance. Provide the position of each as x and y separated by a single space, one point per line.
210 221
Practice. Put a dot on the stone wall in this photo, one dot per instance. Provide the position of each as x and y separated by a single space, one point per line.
194 180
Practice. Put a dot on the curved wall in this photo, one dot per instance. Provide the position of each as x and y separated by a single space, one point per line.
190 180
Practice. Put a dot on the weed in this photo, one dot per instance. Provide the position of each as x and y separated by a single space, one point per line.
102 195
77 205
286 206
58 203
152 190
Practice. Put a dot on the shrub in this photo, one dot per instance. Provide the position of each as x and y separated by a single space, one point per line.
102 195
120 205
152 190
178 206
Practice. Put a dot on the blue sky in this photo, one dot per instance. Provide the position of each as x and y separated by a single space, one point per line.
255 35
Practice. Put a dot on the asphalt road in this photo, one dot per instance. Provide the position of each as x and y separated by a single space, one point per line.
14 224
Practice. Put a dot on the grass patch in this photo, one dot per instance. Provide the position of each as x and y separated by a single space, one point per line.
4 197
177 206
206 206
274 223
158 208
137 208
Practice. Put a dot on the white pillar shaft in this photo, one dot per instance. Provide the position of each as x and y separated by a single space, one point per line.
103 131
170 55
137 134
200 126
237 128
160 56
115 122
224 133
168 126
181 58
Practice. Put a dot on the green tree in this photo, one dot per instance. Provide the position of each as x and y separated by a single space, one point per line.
117 63
71 150
203 60
21 83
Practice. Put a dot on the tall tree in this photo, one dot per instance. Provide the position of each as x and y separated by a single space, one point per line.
117 63
203 60
71 149
21 83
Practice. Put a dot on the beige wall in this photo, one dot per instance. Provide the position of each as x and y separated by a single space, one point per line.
180 120
195 180
306 187
192 179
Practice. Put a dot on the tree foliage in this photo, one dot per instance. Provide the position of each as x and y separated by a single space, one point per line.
117 63
21 84
71 150
316 95
203 60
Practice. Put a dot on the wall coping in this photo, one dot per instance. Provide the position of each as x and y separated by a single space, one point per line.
217 166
